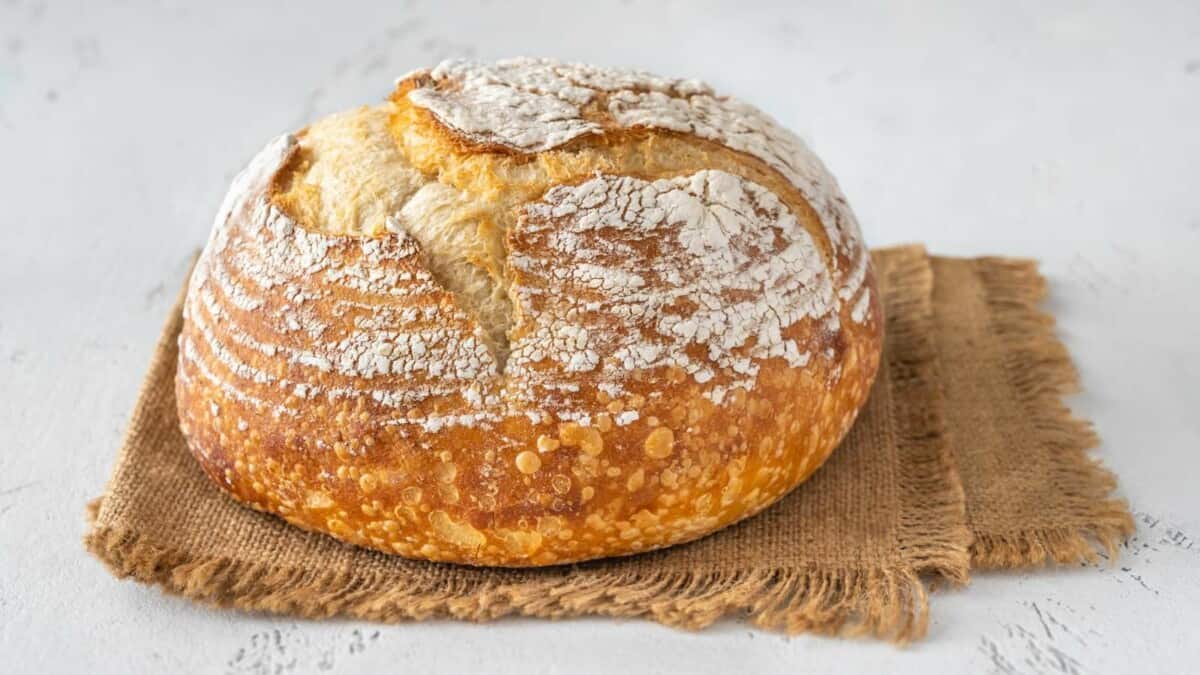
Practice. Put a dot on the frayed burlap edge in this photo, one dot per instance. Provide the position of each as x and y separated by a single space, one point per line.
934 536
1040 370
889 602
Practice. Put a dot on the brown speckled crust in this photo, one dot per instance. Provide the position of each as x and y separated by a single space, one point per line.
316 443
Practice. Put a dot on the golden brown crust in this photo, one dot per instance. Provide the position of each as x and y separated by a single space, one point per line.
330 378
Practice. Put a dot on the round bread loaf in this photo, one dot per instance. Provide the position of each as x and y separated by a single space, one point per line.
527 313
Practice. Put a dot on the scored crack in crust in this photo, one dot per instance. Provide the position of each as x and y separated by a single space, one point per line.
527 313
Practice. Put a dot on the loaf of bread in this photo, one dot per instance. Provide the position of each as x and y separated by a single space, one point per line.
527 313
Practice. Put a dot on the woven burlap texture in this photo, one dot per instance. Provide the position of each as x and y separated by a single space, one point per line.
918 489
1033 495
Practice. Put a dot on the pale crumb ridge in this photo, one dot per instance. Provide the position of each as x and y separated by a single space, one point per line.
354 181
423 353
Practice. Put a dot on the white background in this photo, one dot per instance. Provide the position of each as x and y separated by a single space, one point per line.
1062 131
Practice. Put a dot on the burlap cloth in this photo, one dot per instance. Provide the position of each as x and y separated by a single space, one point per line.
964 456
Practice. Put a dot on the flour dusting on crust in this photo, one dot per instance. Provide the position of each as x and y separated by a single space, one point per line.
644 273
707 273
534 105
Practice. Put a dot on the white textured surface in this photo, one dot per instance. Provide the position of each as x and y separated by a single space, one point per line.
1064 132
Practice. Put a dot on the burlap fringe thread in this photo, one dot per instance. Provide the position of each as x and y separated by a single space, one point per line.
1041 372
846 602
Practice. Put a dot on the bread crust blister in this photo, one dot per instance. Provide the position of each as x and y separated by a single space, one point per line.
527 313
